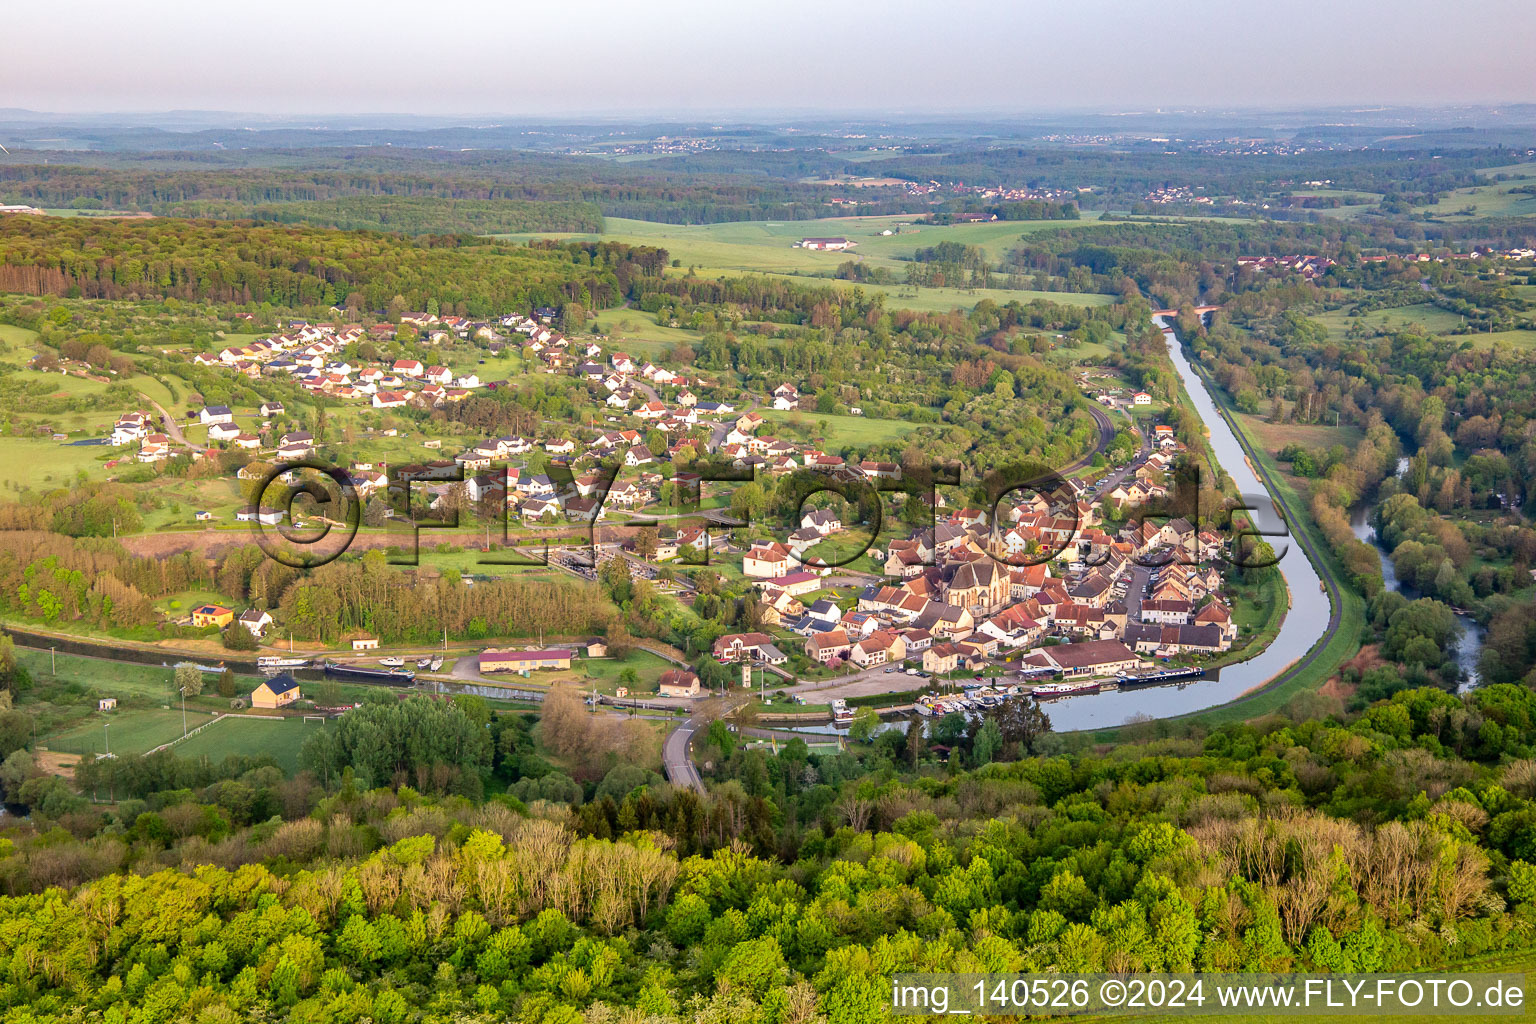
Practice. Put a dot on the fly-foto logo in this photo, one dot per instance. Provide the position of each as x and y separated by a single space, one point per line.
308 513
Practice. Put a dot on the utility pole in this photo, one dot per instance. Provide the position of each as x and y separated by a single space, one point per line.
183 690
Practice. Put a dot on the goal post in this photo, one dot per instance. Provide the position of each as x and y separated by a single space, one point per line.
315 718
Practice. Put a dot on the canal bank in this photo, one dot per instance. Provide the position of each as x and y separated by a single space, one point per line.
1308 624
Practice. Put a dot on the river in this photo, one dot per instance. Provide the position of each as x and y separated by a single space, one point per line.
1469 646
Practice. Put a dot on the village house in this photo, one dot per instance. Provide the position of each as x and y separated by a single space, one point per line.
212 615
828 646
941 659
1089 658
678 682
879 648
280 690
765 560
752 646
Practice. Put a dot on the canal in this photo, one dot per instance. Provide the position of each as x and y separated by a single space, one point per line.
1304 625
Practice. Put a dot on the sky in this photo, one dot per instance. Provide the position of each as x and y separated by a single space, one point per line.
563 57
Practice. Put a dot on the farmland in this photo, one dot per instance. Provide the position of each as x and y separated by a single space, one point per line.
768 247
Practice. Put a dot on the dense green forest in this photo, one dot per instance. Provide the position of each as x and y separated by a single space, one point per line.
247 263
519 187
1399 838
409 215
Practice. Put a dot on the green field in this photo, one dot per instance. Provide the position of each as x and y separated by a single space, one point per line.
1495 199
841 430
1423 316
245 735
943 300
131 731
110 678
20 340
639 334
39 462
768 247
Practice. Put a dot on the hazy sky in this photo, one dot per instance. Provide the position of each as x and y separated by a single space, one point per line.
572 56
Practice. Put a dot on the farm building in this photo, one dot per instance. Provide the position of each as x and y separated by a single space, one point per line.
826 244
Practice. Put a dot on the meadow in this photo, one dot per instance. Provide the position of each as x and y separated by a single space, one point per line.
251 736
1421 316
132 731
841 431
768 247
1494 199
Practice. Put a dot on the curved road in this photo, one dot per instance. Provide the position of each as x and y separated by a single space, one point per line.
171 429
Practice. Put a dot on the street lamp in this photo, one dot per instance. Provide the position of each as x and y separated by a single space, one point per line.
183 690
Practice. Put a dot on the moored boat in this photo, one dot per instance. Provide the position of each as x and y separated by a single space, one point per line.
1045 691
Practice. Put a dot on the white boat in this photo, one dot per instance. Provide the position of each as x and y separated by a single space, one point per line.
392 662
841 712
1046 691
272 661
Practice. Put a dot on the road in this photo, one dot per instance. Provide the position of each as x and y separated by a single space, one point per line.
171 429
717 437
1106 437
677 759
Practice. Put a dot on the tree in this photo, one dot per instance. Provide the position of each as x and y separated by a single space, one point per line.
1022 721
865 720
238 638
917 743
988 741
189 680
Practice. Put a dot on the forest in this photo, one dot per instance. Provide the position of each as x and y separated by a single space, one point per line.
1398 837
407 215
245 263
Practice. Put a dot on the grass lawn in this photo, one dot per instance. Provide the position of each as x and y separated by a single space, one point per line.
1429 317
1513 339
768 247
38 462
1315 437
1495 199
110 678
20 341
841 430
131 732
252 737
637 332
929 300
603 674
